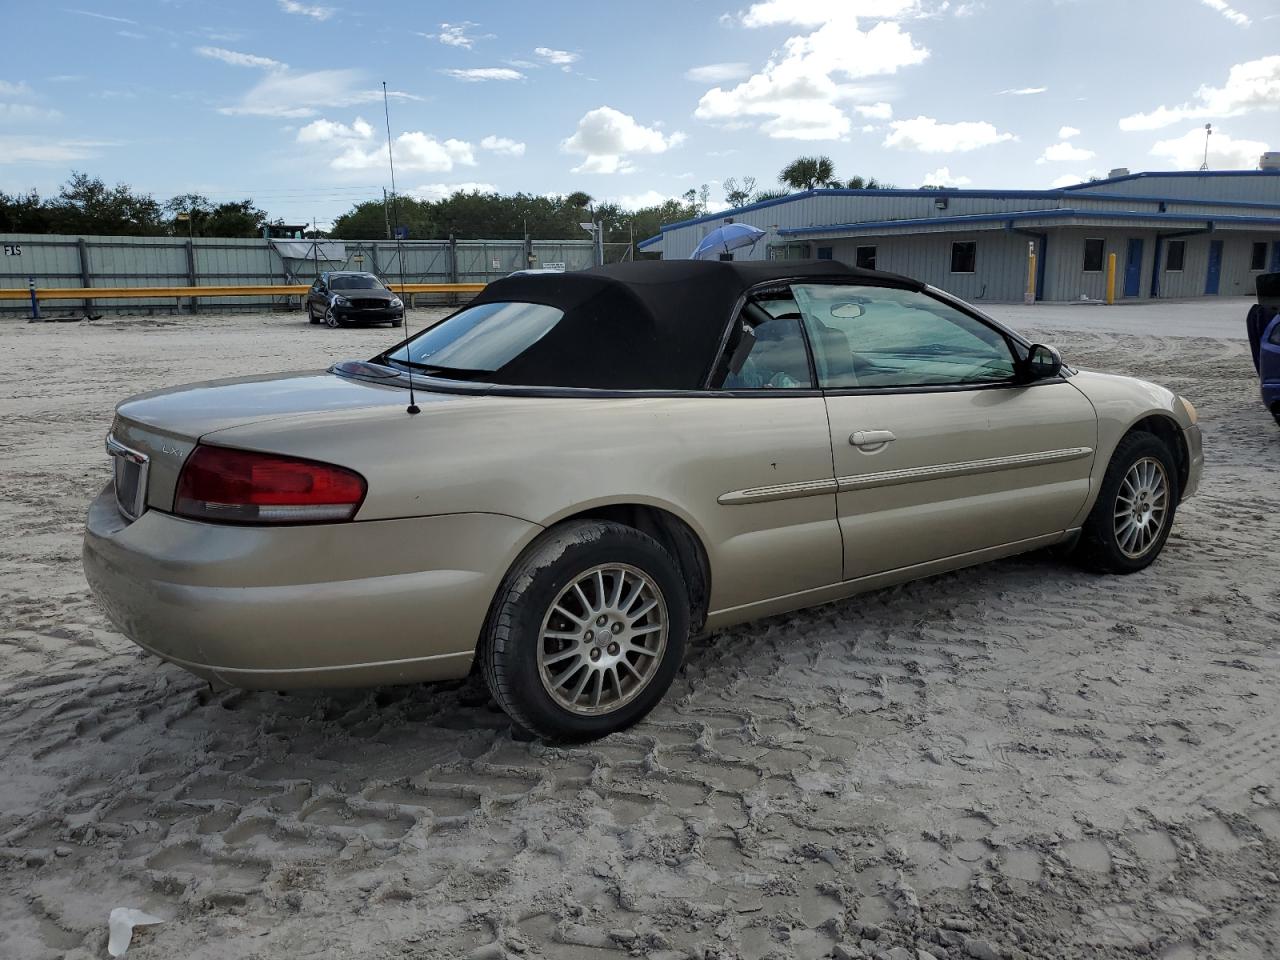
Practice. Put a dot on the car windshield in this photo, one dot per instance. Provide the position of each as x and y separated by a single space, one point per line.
479 339
362 281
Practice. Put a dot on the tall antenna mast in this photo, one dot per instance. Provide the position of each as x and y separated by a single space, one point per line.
395 201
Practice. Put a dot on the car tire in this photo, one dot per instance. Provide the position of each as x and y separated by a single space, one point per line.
586 632
1131 519
311 315
331 319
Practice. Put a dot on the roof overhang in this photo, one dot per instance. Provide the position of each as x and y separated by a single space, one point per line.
1029 219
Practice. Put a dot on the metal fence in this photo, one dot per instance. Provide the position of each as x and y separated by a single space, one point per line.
65 261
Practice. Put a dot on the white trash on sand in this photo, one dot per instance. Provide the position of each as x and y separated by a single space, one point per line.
120 925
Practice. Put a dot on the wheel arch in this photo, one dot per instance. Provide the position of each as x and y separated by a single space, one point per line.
676 534
1169 431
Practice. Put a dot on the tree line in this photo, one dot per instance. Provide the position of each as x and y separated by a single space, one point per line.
87 205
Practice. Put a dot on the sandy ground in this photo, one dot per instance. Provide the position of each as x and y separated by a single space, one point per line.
1019 760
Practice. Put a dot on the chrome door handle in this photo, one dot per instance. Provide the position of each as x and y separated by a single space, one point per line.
871 438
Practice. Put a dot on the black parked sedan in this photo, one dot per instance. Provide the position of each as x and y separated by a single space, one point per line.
342 298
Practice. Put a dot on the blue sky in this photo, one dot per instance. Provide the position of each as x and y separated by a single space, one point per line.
280 99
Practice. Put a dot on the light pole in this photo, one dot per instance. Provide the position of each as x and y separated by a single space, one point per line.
1208 132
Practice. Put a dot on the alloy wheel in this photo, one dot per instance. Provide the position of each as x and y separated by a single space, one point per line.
1142 505
602 639
331 319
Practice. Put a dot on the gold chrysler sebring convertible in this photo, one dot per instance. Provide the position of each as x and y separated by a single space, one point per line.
567 478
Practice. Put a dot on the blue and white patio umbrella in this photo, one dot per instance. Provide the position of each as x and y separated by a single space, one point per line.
726 239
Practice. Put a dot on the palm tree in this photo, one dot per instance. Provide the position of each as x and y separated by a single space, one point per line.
806 173
578 200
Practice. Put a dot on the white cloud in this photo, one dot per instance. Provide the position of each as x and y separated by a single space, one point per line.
503 145
304 10
1066 133
1232 14
237 59
27 111
293 94
929 136
414 150
10 89
441 191
1253 85
717 72
1064 153
324 131
482 74
455 34
875 111
943 177
1022 92
606 136
49 152
103 16
770 13
638 201
557 58
799 92
1225 153
1071 179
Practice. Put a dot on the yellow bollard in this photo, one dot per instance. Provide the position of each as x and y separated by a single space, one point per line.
1030 295
1111 278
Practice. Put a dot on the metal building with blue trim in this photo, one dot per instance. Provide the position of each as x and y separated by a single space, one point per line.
1174 234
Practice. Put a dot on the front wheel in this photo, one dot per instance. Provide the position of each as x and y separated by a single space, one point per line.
331 319
1129 523
587 632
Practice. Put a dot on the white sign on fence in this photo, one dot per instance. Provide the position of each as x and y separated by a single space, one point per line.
553 266
496 263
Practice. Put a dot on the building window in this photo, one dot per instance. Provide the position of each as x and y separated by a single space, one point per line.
1176 256
865 258
1258 257
964 256
1094 247
824 253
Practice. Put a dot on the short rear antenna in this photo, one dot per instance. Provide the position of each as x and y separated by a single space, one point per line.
395 209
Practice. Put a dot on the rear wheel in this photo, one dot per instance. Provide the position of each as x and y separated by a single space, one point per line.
1129 523
311 315
587 632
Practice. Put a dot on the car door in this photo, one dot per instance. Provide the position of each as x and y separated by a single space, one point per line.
314 294
763 442
938 450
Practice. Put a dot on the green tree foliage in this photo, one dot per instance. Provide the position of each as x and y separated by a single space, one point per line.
739 194
23 213
763 195
192 214
808 173
87 205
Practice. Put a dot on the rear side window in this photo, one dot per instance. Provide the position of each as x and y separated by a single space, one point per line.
880 337
480 339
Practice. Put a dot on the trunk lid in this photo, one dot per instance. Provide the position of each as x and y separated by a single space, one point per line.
154 432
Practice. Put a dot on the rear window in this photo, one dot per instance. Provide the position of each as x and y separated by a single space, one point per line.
480 339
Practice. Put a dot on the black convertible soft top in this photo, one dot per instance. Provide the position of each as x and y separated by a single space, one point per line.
651 324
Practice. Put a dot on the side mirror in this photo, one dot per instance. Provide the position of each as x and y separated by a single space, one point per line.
1042 363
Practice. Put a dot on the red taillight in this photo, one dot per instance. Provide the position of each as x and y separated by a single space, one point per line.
240 486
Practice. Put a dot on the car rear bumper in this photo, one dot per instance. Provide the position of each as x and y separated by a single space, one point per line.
327 605
1195 460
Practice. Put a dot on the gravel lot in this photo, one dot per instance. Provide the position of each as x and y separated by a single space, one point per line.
1018 760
